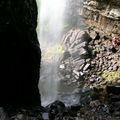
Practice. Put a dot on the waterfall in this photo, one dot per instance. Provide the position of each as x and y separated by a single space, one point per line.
50 21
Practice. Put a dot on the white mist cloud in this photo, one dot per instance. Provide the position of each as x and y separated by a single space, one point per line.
50 20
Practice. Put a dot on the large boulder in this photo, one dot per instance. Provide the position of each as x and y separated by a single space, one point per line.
57 108
115 13
20 53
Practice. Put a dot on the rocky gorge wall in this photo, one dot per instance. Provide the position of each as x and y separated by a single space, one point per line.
88 54
104 16
20 53
91 60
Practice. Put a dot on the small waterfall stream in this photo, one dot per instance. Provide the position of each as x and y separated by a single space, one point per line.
50 21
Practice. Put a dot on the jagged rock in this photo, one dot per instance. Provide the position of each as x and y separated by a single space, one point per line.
115 13
81 67
68 76
83 44
110 68
93 3
92 80
93 62
66 55
75 54
78 64
28 113
66 38
3 115
94 103
74 44
81 73
88 60
55 109
76 73
86 37
83 52
115 67
62 66
86 66
73 37
78 52
95 35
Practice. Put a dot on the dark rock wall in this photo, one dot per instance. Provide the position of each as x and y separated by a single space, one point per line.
19 53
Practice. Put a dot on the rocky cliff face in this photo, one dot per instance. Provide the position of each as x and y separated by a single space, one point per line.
92 60
20 53
104 15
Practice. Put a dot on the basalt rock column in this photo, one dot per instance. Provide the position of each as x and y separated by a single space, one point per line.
19 53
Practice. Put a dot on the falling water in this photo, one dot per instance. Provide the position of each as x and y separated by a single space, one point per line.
50 21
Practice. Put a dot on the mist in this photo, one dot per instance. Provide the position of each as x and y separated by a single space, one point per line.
50 22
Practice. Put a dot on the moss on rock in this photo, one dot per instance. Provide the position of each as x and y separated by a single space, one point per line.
111 76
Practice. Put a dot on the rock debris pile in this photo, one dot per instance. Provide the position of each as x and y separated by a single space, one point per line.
91 60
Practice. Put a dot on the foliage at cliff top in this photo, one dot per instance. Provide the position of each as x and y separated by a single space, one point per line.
112 2
111 76
116 2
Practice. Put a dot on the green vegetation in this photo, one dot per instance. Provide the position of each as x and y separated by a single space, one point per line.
111 76
53 51
115 2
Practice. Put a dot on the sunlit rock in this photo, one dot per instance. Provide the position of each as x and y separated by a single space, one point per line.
94 4
76 73
62 66
115 13
86 66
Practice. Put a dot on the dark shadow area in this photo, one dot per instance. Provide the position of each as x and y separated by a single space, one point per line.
20 53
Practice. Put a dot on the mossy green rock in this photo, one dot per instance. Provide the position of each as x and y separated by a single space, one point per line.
111 76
